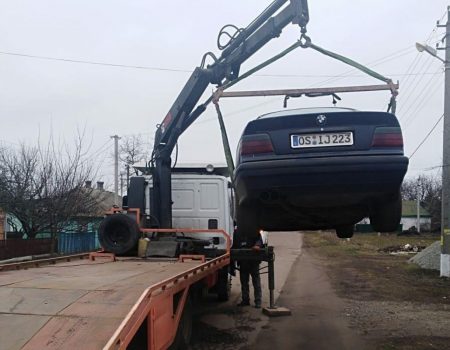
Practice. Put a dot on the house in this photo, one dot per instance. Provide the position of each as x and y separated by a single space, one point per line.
409 216
7 225
408 219
87 220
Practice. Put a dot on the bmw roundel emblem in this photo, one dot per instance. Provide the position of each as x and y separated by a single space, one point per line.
321 119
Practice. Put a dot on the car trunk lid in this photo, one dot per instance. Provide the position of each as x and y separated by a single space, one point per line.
313 133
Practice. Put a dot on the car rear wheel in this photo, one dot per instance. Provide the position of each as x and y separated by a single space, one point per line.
344 231
247 222
385 217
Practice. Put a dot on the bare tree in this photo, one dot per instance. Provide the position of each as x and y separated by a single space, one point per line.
131 152
43 187
428 189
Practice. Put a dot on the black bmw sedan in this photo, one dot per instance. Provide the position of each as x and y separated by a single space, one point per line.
319 168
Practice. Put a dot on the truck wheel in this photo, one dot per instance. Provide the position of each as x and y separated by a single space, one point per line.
345 231
184 331
247 222
223 287
385 217
118 234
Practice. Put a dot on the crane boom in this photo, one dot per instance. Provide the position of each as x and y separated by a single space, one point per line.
268 25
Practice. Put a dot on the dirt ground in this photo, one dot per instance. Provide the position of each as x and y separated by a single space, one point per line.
394 304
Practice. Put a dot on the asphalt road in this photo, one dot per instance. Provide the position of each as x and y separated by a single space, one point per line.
317 322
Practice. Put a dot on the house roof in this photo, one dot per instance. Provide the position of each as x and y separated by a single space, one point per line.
409 209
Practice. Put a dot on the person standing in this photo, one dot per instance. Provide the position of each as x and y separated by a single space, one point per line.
249 268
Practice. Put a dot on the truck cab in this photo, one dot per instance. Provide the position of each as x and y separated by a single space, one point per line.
202 199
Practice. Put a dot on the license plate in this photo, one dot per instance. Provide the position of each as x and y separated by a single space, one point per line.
322 140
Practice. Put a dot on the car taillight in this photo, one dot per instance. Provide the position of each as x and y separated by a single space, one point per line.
256 144
387 137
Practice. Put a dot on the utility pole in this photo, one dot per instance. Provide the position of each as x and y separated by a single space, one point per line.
128 175
116 169
445 194
121 184
418 209
445 223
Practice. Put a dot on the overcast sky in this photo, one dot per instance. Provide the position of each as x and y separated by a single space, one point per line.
39 97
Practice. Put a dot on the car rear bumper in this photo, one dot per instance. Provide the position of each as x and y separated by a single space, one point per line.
321 177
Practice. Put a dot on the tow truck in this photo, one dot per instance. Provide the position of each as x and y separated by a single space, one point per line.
113 299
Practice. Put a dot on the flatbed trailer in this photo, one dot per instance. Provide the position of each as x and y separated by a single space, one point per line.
100 303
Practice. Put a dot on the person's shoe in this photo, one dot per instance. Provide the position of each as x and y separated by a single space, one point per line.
243 303
257 305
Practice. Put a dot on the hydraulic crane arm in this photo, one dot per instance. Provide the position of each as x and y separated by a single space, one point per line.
265 27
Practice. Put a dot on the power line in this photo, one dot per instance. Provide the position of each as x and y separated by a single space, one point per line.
414 64
427 63
49 58
426 137
421 102
164 69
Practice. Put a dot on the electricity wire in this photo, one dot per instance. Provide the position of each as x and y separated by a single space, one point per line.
426 137
69 60
415 83
164 69
421 102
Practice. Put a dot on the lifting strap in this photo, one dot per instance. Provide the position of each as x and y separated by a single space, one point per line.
392 103
226 144
304 42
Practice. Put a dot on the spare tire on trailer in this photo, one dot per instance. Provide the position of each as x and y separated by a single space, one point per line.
118 234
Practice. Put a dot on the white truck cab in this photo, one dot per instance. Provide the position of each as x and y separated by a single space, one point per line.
202 199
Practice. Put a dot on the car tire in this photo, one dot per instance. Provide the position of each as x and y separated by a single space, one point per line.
385 217
223 287
247 222
118 234
344 231
184 330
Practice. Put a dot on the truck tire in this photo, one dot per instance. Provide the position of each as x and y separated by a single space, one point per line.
344 231
247 222
184 331
118 234
385 217
223 287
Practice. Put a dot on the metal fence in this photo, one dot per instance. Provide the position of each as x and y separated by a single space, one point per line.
13 248
67 243
77 242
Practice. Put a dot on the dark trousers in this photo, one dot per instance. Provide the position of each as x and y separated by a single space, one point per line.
247 269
